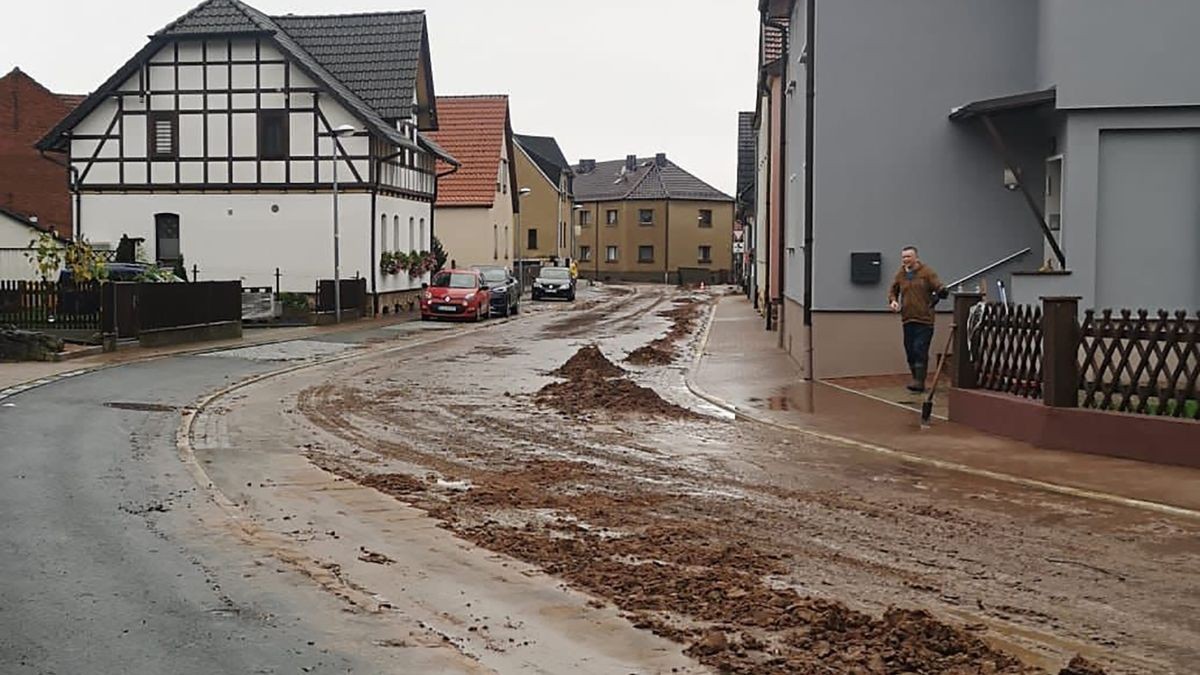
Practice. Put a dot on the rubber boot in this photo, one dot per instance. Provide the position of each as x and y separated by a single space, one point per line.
919 372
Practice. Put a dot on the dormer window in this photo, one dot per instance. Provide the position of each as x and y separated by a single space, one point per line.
163 135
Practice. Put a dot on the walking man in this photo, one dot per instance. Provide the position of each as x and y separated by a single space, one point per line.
912 295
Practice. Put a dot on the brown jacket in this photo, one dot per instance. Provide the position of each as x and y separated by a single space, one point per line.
915 293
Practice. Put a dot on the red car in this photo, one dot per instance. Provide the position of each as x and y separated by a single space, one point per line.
456 294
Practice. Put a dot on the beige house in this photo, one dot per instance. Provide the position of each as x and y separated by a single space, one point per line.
650 220
544 180
476 209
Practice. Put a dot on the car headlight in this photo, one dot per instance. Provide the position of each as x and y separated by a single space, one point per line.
428 295
470 297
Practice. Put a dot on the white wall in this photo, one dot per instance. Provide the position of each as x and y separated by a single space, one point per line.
15 238
228 154
390 213
238 236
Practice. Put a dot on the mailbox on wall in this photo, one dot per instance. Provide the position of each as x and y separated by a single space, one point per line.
866 268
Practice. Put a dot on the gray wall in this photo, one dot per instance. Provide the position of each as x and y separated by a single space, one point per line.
1154 199
891 168
1120 52
1148 241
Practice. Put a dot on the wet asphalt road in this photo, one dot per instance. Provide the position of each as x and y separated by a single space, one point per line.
112 560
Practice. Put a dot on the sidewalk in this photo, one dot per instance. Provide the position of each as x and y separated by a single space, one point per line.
21 373
742 368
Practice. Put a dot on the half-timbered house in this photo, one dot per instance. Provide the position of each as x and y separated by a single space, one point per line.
216 143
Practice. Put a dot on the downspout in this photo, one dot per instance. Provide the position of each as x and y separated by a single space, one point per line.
781 230
766 281
433 203
809 172
374 255
667 243
73 186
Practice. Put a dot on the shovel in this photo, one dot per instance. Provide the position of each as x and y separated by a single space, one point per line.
927 406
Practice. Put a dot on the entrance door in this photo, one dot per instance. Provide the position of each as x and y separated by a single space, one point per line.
166 238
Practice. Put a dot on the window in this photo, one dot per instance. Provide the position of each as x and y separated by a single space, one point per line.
273 134
705 217
705 254
645 254
645 216
495 242
396 232
585 218
610 217
166 237
421 245
383 233
163 135
610 254
532 244
585 253
413 243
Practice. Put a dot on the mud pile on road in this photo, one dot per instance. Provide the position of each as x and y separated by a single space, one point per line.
589 361
663 351
592 382
715 599
395 484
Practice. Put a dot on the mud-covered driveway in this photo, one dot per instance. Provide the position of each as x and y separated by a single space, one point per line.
567 443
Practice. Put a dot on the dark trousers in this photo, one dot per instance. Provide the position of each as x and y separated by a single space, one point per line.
917 338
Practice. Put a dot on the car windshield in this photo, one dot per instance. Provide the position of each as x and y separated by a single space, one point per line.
495 276
454 280
555 273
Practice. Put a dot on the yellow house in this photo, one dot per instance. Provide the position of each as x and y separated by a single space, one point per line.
544 177
650 220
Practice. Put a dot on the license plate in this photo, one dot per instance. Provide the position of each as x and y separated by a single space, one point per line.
447 309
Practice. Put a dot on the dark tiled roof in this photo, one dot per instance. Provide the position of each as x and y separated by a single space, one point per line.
773 45
610 182
375 55
219 17
234 16
544 152
474 129
747 154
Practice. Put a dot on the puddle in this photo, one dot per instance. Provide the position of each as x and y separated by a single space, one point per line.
140 407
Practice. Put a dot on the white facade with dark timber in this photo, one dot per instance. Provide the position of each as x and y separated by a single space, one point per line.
215 144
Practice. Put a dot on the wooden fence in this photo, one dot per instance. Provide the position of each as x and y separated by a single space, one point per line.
49 305
178 305
1006 342
1134 362
1140 363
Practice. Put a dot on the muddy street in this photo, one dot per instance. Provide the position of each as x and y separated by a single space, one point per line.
567 442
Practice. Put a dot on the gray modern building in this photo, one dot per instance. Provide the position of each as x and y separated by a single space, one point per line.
977 129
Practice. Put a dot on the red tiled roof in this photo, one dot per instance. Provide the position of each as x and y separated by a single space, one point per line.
472 129
773 42
71 100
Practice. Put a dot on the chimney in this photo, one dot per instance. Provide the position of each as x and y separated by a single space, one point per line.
660 159
587 165
631 163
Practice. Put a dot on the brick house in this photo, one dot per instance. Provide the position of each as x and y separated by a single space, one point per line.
30 184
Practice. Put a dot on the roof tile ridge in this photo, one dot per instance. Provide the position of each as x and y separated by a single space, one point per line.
395 12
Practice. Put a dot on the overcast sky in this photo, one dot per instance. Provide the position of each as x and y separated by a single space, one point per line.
607 78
